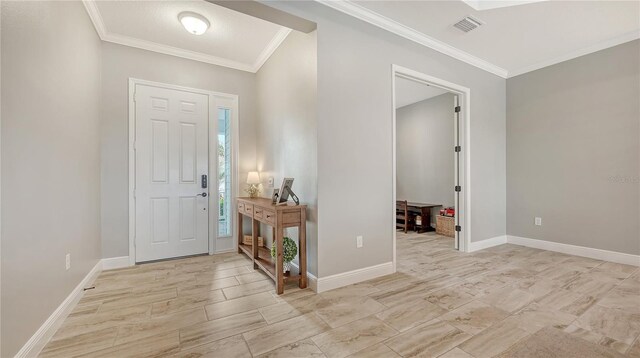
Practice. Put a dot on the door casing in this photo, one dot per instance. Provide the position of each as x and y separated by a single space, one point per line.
463 167
216 100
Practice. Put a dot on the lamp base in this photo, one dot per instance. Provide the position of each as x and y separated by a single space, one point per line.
253 191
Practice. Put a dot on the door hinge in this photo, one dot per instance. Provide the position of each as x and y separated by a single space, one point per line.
134 193
458 188
458 228
135 96
457 109
457 148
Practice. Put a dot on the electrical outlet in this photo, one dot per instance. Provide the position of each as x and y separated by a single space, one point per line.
270 182
358 241
67 261
538 221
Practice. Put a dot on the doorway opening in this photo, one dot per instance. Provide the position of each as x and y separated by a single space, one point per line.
183 145
430 160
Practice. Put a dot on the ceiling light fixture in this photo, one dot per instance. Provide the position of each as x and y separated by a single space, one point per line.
194 23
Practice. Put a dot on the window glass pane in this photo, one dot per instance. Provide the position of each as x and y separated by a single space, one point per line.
224 172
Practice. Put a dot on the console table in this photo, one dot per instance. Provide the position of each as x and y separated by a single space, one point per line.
279 217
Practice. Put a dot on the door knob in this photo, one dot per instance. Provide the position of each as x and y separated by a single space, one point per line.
204 195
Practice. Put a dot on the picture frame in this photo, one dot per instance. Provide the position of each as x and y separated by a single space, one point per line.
283 194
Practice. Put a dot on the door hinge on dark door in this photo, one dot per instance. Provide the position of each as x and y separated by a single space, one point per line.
458 188
457 109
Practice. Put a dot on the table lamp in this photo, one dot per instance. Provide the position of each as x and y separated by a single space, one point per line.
253 179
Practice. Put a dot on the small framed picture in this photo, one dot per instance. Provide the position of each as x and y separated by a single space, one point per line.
274 196
285 190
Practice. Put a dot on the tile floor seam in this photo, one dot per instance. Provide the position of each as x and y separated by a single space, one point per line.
465 351
247 344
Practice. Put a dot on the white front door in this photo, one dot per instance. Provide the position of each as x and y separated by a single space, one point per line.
171 151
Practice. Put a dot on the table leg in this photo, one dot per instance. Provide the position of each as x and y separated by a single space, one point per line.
255 231
279 257
239 232
426 219
302 238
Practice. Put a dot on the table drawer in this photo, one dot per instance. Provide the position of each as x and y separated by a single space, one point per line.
248 209
241 207
291 217
269 217
258 213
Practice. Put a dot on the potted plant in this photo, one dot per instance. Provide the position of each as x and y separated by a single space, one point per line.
290 250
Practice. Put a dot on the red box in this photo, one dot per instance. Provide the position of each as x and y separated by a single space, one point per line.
448 212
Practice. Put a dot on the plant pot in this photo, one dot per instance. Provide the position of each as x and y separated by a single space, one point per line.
286 267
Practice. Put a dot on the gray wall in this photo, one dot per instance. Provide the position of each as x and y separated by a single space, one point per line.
119 63
286 129
424 159
50 160
354 137
573 151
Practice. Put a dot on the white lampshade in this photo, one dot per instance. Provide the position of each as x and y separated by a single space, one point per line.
253 178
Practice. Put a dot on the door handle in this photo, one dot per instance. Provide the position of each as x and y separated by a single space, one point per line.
204 195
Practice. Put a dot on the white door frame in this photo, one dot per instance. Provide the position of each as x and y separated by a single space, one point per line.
463 216
213 169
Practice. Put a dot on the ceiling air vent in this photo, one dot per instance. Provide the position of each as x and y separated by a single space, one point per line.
467 24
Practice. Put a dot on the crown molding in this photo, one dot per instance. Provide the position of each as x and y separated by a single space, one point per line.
98 23
399 29
630 36
96 18
364 14
178 52
271 47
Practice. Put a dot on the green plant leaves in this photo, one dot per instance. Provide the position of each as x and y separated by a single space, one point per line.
289 247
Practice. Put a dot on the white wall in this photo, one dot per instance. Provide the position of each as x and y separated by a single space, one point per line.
424 152
354 137
50 160
119 63
286 129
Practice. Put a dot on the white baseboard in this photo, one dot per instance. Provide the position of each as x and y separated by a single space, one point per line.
597 254
312 281
42 336
112 263
346 278
351 277
485 244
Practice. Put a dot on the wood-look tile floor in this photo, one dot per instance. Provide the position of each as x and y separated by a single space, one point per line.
439 303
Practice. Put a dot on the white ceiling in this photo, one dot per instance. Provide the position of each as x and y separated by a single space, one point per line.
513 39
233 40
410 92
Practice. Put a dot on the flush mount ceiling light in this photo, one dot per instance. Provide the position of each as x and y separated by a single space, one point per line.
194 23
